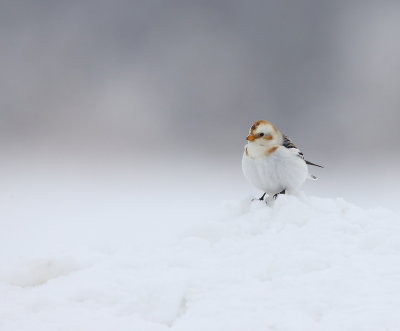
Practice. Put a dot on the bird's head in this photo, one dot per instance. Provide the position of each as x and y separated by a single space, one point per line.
264 133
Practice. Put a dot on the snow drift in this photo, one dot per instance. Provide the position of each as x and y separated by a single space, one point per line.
302 264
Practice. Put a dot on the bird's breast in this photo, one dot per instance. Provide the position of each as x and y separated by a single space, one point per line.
276 171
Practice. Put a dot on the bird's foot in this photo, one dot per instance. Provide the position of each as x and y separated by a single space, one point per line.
259 199
276 195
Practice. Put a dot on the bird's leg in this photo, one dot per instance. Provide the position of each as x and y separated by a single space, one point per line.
262 198
276 195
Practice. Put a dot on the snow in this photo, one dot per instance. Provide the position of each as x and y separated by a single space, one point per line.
108 258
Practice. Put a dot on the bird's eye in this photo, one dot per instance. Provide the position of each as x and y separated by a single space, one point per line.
261 134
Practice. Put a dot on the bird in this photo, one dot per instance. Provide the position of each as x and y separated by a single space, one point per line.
272 163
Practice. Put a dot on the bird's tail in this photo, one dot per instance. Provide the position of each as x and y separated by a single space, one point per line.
313 164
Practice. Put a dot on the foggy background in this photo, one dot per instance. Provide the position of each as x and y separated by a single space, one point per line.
158 85
122 200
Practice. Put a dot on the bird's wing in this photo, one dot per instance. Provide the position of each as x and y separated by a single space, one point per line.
289 144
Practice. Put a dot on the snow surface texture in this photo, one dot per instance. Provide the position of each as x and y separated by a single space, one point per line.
302 264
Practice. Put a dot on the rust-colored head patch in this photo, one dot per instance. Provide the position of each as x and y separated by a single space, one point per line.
268 137
256 124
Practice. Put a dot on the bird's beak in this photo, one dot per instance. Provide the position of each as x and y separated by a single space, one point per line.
250 137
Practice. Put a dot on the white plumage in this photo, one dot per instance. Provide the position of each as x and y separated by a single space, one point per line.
271 162
282 170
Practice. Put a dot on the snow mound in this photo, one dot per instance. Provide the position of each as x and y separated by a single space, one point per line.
39 271
300 263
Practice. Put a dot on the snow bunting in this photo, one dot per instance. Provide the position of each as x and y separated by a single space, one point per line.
271 162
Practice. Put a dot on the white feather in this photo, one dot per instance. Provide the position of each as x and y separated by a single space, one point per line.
281 170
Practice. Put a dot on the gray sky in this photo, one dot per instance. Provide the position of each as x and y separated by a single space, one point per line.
176 74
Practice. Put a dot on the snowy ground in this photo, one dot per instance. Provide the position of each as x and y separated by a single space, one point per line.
123 253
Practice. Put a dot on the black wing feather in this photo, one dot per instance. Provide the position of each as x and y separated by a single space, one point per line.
313 164
289 144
